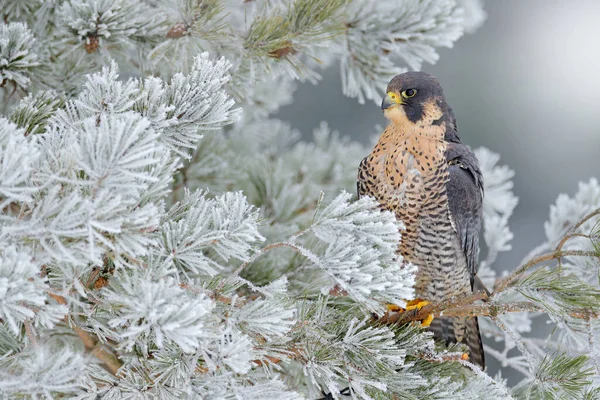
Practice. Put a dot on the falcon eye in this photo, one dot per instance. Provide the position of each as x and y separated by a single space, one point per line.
409 93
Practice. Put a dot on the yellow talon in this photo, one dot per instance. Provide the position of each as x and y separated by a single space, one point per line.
427 321
415 304
393 307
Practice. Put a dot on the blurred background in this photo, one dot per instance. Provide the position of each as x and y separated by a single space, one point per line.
526 85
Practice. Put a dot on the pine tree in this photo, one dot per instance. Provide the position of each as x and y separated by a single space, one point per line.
162 235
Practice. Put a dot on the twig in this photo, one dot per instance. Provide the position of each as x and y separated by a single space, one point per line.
92 277
91 343
513 276
439 358
572 231
591 345
102 353
502 358
493 310
490 309
30 331
501 284
518 342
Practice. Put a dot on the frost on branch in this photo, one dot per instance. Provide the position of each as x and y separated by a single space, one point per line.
382 33
373 40
105 168
198 102
117 152
276 170
272 317
377 361
160 312
560 376
103 93
16 9
180 110
564 214
197 227
360 254
473 14
83 189
17 57
18 155
33 112
567 229
279 32
49 369
97 24
567 211
22 291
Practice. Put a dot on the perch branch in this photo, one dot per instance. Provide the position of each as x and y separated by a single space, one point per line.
436 309
463 307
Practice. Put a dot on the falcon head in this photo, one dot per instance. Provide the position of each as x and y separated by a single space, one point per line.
416 98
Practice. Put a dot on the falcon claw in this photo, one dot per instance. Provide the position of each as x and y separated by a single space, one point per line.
427 321
415 305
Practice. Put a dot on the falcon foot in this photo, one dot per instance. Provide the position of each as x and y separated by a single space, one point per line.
415 305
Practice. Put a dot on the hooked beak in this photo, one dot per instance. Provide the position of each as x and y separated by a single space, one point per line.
388 101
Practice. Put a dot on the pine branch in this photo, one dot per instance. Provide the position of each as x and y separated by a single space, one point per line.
559 375
572 233
102 352
555 255
17 58
283 31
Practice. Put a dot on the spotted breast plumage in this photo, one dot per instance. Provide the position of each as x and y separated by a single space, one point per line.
420 170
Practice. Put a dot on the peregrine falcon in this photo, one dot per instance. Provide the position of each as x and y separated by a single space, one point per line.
420 170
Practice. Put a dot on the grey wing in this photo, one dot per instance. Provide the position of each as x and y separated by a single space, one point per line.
465 199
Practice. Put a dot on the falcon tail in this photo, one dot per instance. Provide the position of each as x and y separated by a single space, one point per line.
462 330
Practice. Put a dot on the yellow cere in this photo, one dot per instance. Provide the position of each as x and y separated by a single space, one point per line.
393 96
